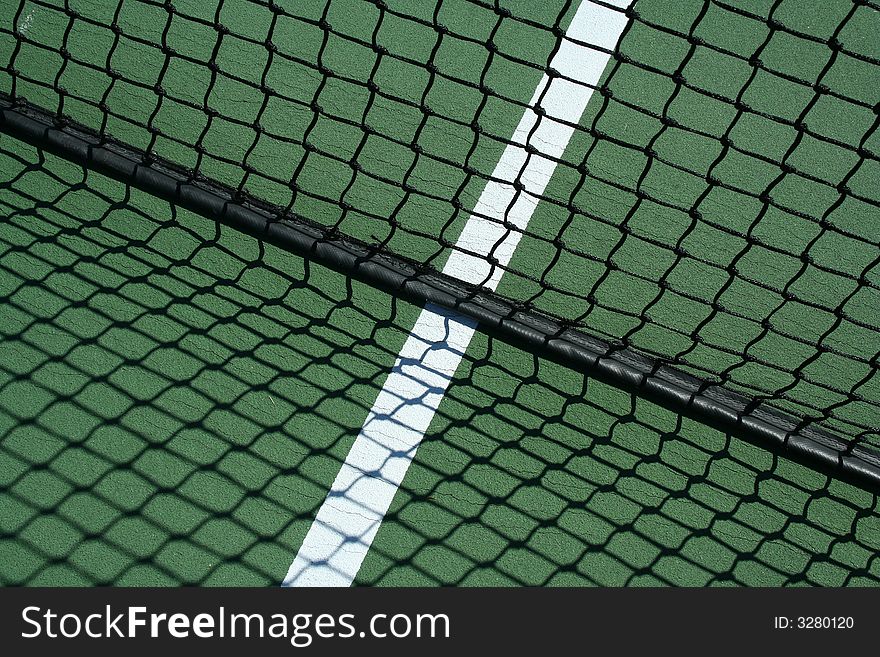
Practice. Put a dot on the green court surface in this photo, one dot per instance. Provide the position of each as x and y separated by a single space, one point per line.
176 398
176 402
689 228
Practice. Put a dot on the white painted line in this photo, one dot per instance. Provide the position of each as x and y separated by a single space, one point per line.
348 520
346 524
25 24
500 215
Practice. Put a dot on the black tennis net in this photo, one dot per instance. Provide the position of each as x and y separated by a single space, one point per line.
164 420
708 234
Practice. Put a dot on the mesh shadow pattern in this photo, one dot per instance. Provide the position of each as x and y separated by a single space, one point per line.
176 399
716 209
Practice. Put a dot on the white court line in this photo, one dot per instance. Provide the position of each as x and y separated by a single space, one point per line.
350 516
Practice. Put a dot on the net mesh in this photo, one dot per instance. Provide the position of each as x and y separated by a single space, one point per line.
716 207
177 397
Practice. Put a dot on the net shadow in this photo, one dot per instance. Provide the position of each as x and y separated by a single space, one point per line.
176 399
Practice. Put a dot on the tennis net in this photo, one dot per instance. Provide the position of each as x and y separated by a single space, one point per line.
164 420
708 235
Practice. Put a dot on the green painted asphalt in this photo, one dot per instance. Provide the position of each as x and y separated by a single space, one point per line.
176 399
650 232
175 403
536 475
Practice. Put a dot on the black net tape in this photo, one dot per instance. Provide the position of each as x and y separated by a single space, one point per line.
176 397
714 210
